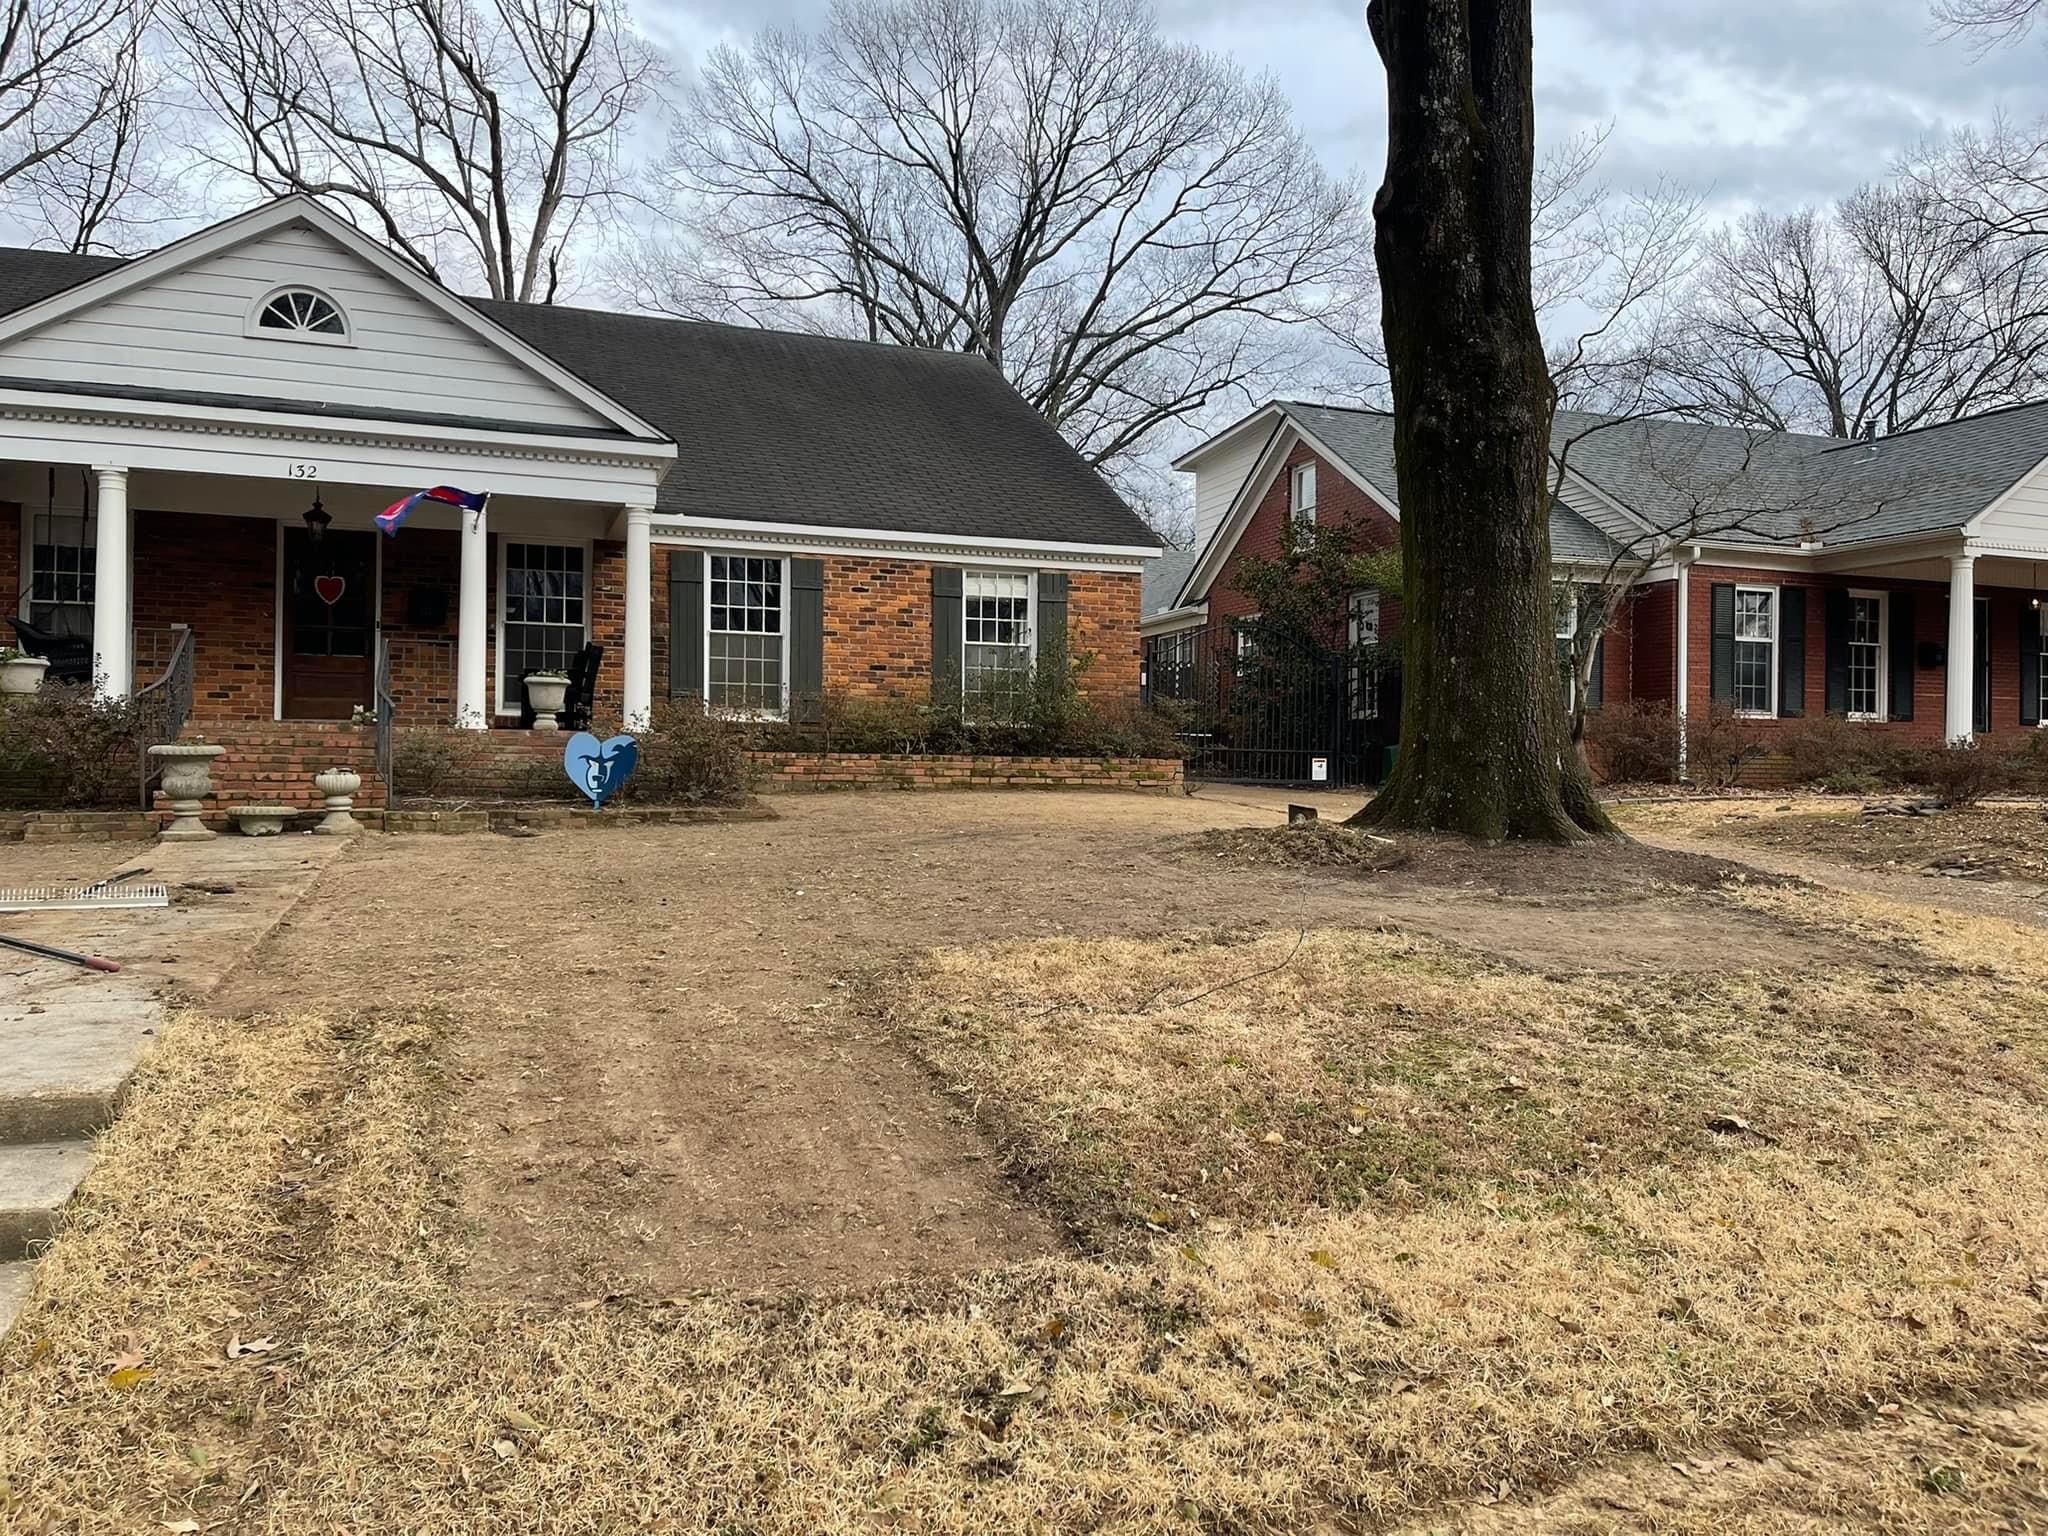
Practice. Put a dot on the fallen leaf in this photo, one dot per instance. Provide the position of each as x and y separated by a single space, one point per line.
524 1422
1055 1329
237 1349
180 1525
1274 1139
128 1356
129 1377
504 1449
1321 1259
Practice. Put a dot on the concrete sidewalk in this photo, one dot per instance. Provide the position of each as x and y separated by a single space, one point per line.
70 1038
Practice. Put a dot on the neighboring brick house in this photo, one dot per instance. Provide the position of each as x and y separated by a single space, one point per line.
1776 574
193 444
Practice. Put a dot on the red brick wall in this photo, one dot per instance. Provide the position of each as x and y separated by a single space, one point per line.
1103 608
219 576
11 573
1653 654
863 770
878 626
1930 618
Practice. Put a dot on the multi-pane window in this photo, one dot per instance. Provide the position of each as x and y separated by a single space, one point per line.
1566 629
1170 664
303 312
1756 648
1301 496
1362 635
996 654
546 612
1866 656
744 650
61 558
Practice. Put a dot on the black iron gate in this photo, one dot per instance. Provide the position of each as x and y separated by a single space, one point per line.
1254 708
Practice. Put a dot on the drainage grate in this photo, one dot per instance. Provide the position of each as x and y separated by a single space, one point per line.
81 898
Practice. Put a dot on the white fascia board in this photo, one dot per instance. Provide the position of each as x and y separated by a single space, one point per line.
300 209
1593 492
1237 428
798 538
266 447
2002 498
1230 528
1172 620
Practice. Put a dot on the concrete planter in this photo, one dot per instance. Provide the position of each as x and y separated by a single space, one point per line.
260 820
23 674
187 781
338 786
547 692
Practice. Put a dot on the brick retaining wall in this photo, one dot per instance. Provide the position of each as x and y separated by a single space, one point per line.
870 770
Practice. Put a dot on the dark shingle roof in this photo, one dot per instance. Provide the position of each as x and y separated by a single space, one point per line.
784 428
1936 477
1164 576
775 427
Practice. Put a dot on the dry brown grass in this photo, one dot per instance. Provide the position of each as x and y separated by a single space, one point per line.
2006 841
1499 1321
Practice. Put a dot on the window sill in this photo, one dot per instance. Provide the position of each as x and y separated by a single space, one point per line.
1756 714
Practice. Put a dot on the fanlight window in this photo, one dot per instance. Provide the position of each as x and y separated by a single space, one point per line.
303 312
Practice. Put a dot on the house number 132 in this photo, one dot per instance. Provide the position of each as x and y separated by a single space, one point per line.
302 471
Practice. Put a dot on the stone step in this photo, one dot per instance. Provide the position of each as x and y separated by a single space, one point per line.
70 1053
35 1181
16 1276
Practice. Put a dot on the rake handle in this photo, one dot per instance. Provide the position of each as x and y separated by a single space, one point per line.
51 952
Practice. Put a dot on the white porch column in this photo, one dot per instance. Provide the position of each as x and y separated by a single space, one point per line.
639 692
1962 647
113 625
472 628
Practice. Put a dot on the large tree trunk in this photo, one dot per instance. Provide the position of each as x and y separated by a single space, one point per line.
1484 746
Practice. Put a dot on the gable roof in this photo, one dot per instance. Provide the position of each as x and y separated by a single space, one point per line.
771 426
1165 577
777 427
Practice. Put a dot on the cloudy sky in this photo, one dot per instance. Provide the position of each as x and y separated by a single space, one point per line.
1763 102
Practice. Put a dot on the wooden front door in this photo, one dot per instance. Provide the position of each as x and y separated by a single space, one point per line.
330 589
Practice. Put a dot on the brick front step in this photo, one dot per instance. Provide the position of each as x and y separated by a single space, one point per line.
274 764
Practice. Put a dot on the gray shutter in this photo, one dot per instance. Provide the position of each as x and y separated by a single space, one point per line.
2030 664
1980 685
1791 652
946 673
807 641
1838 651
1901 626
1722 687
685 623
1596 685
1052 618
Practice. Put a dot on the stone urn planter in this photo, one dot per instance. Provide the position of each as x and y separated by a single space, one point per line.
338 787
188 780
260 820
547 692
23 674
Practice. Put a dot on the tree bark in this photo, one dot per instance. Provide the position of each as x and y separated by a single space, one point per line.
1484 745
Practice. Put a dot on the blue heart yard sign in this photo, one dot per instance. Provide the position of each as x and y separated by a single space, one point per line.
599 769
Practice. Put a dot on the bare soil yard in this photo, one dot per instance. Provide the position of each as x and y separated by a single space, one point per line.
1996 842
1053 1164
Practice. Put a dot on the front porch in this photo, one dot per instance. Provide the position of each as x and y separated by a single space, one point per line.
282 603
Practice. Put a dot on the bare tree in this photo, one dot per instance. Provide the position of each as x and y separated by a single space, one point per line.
1896 309
1126 226
1988 23
64 64
112 189
474 136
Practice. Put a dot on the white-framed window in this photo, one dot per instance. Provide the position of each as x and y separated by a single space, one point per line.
1563 601
1756 650
1867 672
1247 630
2041 622
62 563
543 612
1301 493
1362 632
996 643
299 314
746 658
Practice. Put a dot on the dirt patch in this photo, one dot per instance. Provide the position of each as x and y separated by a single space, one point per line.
1987 843
1586 874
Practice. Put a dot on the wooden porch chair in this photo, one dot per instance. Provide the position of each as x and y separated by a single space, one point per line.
582 670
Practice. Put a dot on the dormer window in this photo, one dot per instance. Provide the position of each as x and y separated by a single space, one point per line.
301 313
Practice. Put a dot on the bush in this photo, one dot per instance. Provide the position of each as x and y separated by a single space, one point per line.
1960 773
421 762
1634 743
1719 744
1841 756
690 756
64 746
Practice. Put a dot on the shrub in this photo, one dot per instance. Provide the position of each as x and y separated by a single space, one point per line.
64 745
1719 744
1634 743
691 756
421 762
1842 756
1960 773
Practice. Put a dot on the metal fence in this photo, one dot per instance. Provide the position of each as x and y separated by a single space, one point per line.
163 707
1255 708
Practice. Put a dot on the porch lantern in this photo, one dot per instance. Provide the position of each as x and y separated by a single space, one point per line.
316 519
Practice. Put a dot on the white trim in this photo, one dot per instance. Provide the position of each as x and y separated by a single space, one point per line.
1593 489
1884 648
299 209
1299 509
1030 645
253 327
1736 639
2002 498
1171 621
786 539
1243 424
494 604
705 632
